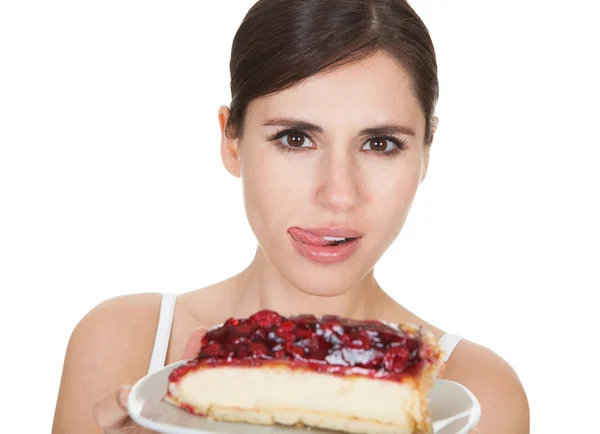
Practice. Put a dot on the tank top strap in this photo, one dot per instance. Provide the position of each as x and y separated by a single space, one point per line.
448 343
163 332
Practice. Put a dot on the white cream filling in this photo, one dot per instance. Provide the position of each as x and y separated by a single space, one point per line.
272 388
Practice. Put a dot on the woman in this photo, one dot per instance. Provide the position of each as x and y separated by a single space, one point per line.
330 129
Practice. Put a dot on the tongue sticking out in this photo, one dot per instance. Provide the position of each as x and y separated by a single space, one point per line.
316 240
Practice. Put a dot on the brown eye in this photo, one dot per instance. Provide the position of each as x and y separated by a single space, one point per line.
380 144
295 140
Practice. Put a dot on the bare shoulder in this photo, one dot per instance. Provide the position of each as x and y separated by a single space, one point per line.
504 404
122 327
110 346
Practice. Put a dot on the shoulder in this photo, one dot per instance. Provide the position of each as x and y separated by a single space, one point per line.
110 346
496 385
124 308
125 323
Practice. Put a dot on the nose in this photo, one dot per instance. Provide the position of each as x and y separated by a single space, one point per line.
339 185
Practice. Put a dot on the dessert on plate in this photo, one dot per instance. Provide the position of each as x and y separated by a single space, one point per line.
362 377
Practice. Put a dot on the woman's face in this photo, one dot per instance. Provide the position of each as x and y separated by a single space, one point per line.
338 156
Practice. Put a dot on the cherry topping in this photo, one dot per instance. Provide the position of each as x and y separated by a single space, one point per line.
304 333
231 322
359 342
286 327
239 340
258 349
265 318
243 352
244 329
306 319
218 335
395 359
330 344
259 335
294 350
214 349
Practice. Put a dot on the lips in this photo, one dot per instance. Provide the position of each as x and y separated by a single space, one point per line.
323 236
325 245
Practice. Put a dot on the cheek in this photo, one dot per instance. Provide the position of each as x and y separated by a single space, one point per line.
391 191
272 188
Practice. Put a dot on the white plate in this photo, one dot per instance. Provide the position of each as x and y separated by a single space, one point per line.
454 410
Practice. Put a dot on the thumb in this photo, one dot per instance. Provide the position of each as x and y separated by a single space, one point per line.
194 343
111 411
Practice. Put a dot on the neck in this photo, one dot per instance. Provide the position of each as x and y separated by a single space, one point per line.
261 286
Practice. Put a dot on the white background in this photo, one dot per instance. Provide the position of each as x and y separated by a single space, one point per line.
111 183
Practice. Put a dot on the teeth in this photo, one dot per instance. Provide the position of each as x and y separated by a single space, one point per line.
334 239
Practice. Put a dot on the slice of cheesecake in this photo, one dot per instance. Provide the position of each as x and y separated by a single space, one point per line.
363 377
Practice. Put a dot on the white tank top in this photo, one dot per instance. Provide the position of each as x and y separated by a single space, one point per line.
165 321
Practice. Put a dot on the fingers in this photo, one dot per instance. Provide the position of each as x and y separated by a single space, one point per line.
111 411
194 343
123 396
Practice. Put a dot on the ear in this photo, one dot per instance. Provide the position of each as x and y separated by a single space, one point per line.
434 126
229 147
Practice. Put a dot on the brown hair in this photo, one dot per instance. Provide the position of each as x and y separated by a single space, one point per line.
282 42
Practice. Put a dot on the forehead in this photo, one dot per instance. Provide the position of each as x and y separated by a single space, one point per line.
373 90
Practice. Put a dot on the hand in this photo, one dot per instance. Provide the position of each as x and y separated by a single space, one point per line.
110 412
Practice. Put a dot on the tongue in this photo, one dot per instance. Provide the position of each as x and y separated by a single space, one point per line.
309 238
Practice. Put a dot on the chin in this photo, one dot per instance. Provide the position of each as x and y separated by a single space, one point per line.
315 278
322 281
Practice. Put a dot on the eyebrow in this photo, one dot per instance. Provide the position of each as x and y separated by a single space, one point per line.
378 130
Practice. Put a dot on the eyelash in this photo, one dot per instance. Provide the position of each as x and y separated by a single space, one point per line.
400 144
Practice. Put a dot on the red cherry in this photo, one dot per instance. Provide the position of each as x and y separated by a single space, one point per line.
367 334
359 341
327 326
265 318
286 327
244 329
218 335
204 341
319 355
287 337
258 349
346 340
231 322
259 334
395 359
214 349
239 340
304 333
243 352
294 350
